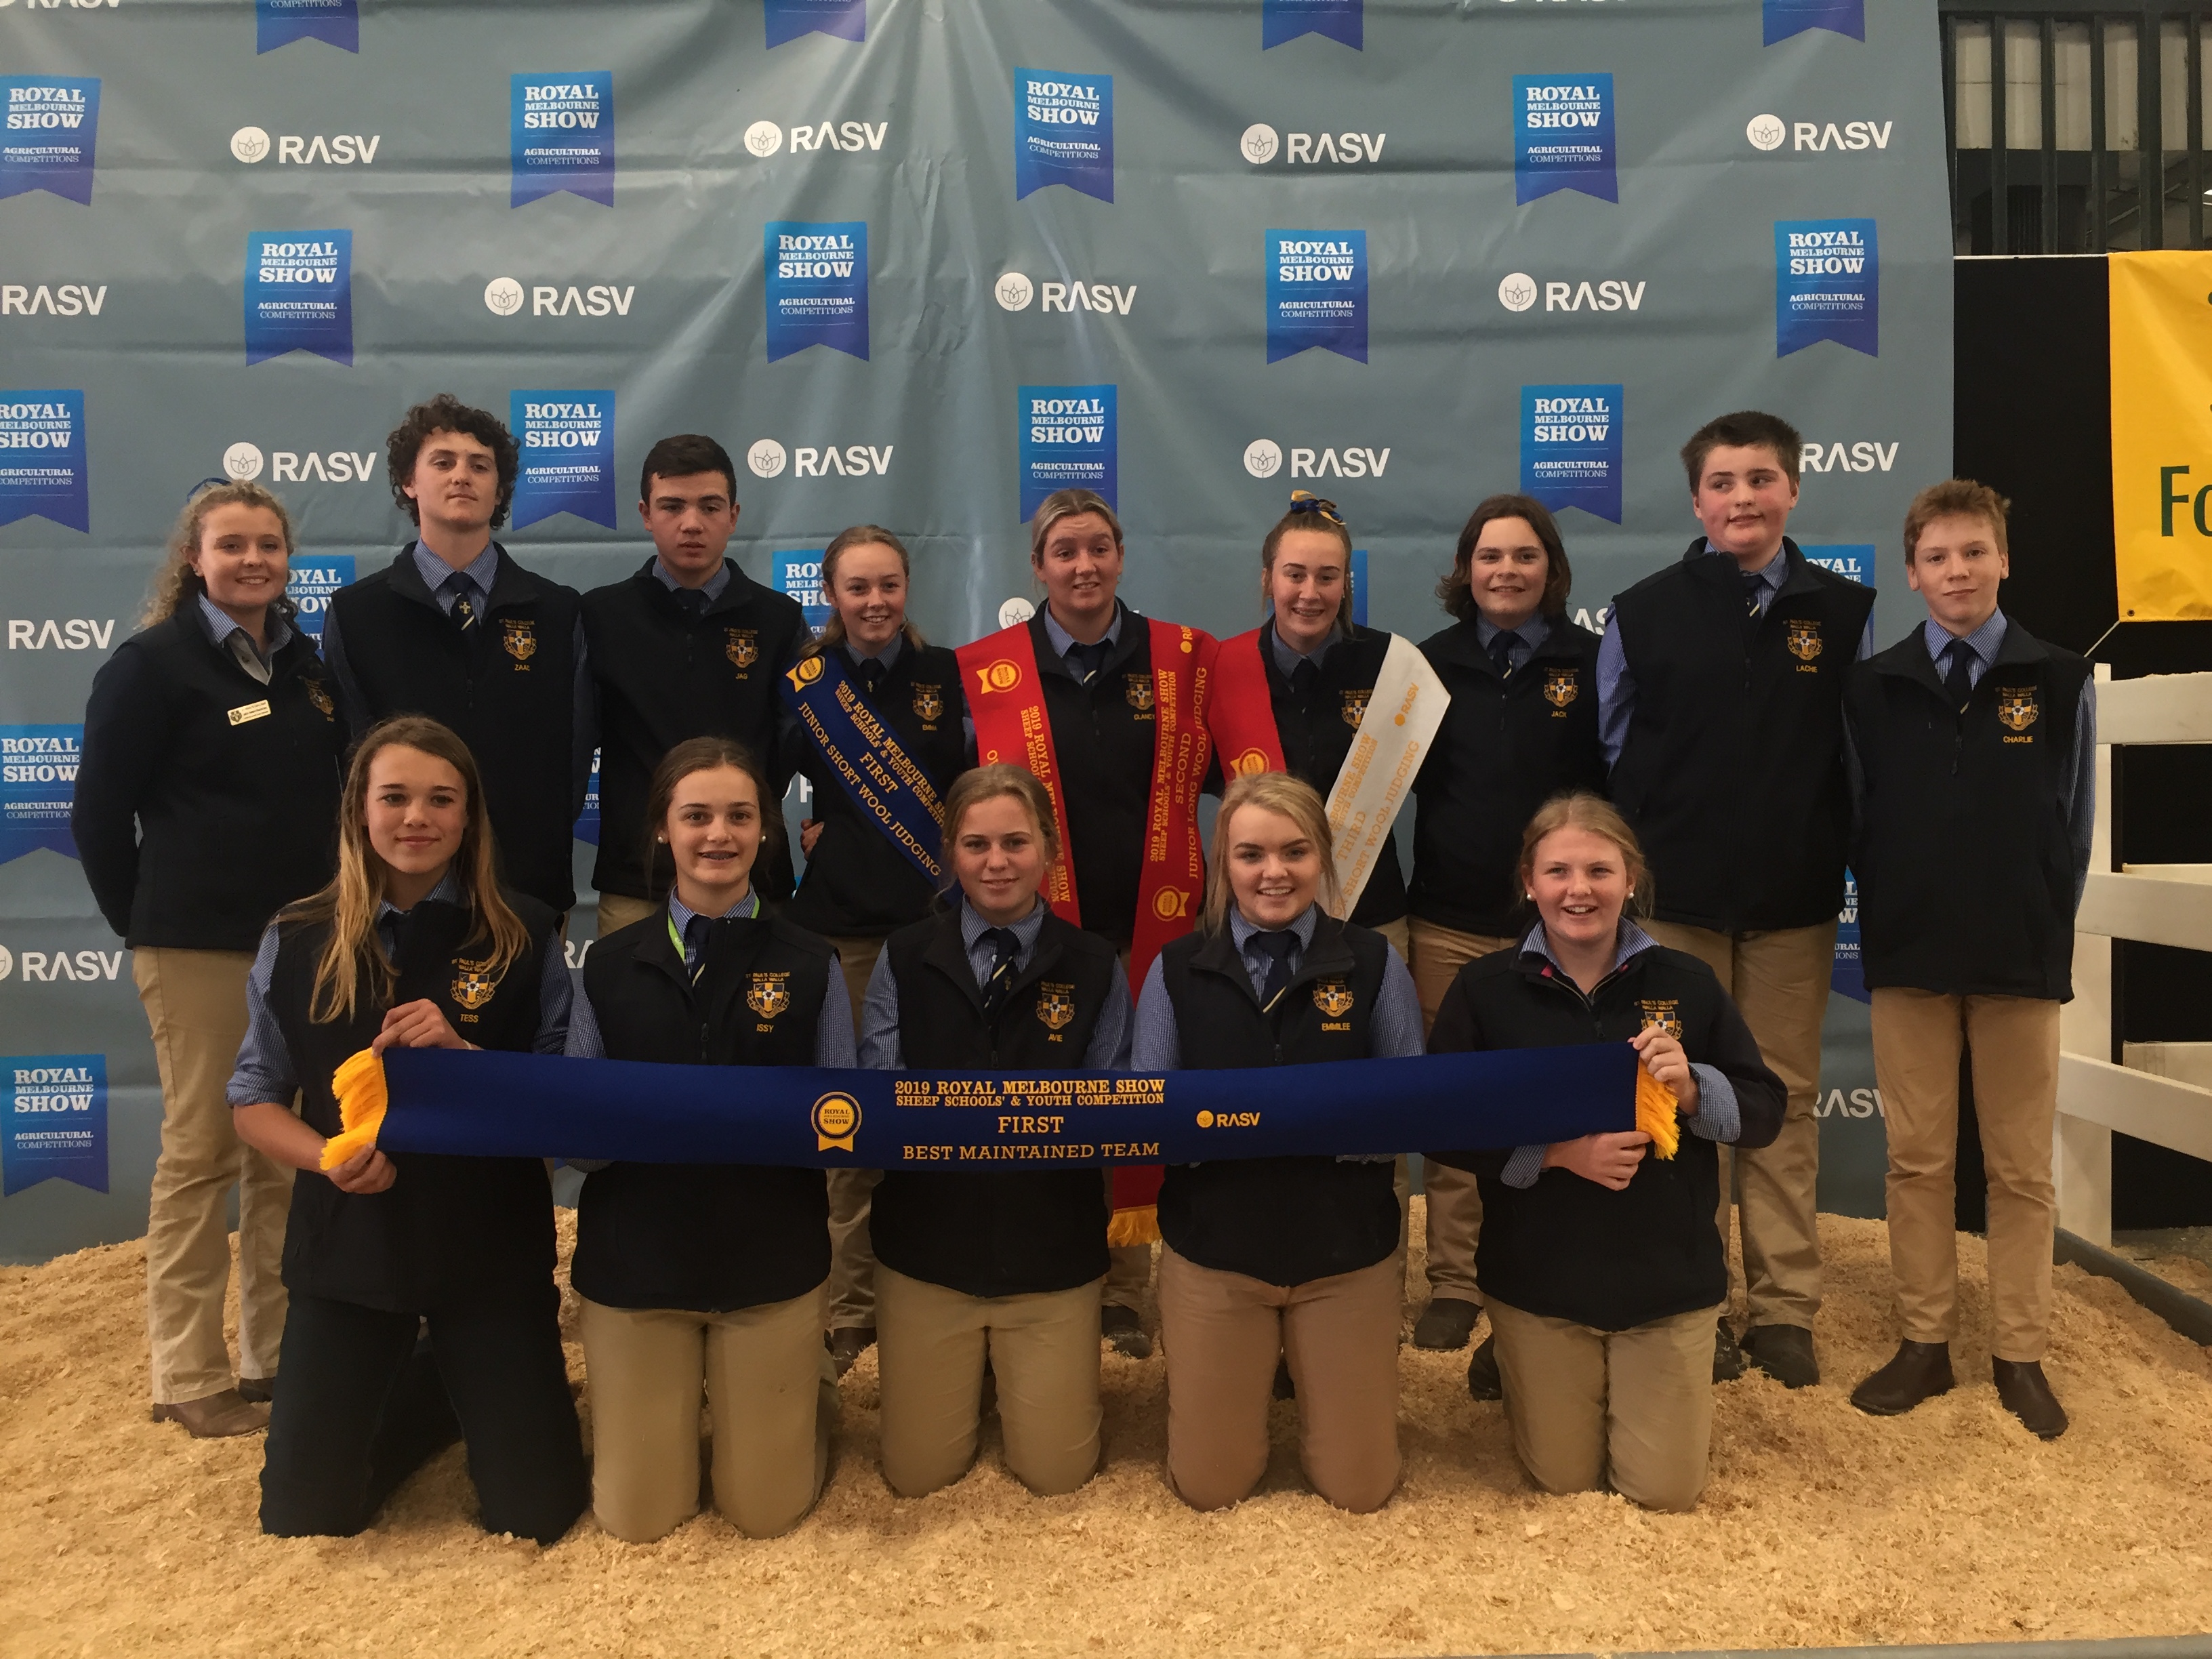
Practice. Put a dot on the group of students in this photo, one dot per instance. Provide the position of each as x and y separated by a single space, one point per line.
1637 838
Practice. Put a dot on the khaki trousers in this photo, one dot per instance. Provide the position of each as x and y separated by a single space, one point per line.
1780 981
853 1191
1455 1208
1043 1351
1223 1333
2013 1043
1633 1409
194 1004
618 910
771 1398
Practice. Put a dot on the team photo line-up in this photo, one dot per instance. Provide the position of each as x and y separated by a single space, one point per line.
1638 838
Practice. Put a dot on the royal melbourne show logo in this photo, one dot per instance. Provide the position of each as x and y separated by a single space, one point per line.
279 22
313 581
564 135
567 442
817 287
1333 20
53 129
1063 133
1827 285
54 1125
42 466
1571 447
38 787
798 573
1067 441
299 295
1317 292
1563 135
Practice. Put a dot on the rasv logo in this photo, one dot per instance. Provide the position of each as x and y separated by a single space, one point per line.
1263 458
76 634
70 300
1864 456
766 458
1014 291
1259 144
47 966
252 144
765 138
1769 132
1519 291
243 461
58 5
503 296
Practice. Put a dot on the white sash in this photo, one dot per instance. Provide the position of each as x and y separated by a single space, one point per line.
1403 713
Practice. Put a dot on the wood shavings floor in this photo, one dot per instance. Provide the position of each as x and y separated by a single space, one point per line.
1821 1526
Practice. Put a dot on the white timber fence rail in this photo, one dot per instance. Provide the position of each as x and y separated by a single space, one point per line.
2156 1091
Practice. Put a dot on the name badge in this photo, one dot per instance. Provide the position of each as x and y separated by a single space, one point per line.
249 711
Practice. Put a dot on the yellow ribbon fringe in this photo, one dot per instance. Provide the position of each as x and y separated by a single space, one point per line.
1656 1106
359 1085
1135 1226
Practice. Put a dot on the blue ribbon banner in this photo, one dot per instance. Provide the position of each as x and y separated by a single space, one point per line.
1067 441
1571 447
567 442
1334 20
817 286
54 1125
280 22
1063 133
299 295
1848 973
52 130
490 1103
846 20
38 784
1783 18
891 789
1563 135
587 827
1357 575
1851 560
313 581
1827 285
799 576
42 458
564 135
1317 292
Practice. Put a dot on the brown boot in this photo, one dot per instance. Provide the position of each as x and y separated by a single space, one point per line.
216 1417
2025 1392
1920 1371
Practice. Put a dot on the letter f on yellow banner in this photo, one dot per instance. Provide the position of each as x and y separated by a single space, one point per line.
2161 345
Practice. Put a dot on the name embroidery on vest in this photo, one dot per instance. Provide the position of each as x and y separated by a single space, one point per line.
1665 1014
1138 689
474 985
1804 640
743 649
769 996
2017 708
1055 1009
1561 687
1334 998
520 638
928 704
1355 707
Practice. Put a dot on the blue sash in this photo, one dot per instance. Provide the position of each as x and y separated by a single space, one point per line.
888 786
495 1104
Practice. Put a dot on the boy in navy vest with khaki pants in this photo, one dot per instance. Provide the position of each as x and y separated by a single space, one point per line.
1720 706
1972 752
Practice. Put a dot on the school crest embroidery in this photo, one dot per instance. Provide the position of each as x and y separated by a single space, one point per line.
1561 687
1333 997
2017 707
1137 688
1355 707
928 702
321 699
1666 1015
474 983
519 637
1055 1006
770 994
742 646
1804 638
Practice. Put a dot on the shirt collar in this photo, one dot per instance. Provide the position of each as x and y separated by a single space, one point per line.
447 891
681 913
712 587
1630 942
1288 657
887 656
436 573
1773 573
1985 641
1025 932
219 627
1533 633
1240 930
1061 639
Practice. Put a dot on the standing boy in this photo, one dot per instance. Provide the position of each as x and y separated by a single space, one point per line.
1973 753
1720 702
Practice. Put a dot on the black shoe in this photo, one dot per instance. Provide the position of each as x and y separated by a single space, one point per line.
2025 1392
1447 1323
1784 1353
847 1343
1482 1379
1921 1372
258 1390
1124 1332
1728 1354
1285 1388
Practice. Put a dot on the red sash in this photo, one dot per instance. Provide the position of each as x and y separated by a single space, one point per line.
1241 712
1007 703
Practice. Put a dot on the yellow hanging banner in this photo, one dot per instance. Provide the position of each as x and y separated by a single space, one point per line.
2161 346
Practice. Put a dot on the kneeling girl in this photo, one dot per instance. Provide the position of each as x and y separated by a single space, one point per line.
698 1276
1264 1257
999 1265
1601 1265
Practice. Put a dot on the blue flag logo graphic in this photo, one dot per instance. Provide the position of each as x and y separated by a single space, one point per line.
53 129
1563 135
1063 133
567 442
1067 441
564 135
1286 19
587 827
38 784
299 294
1357 575
1853 561
799 576
847 20
1827 285
42 466
280 22
1316 292
1783 18
54 1125
314 578
817 286
1847 972
1571 447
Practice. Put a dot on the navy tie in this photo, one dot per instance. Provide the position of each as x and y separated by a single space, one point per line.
1501 652
1959 679
465 609
1753 583
694 945
872 674
1302 677
1084 661
1005 947
692 602
1277 948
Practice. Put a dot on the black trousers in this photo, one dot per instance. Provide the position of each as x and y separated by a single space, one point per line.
363 1405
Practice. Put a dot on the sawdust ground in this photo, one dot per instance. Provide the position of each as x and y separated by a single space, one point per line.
1821 1526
